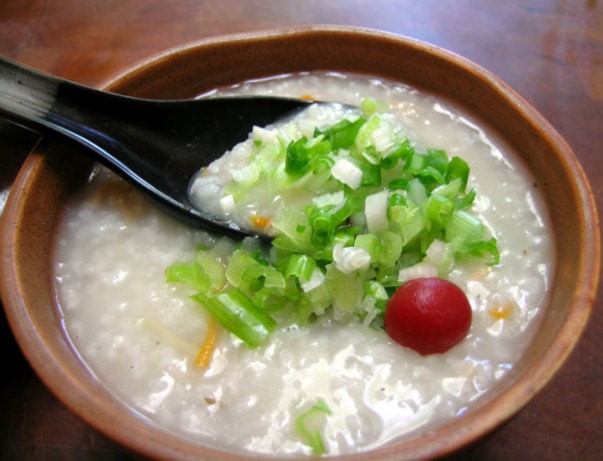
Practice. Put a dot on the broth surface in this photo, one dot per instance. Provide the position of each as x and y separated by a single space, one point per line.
139 335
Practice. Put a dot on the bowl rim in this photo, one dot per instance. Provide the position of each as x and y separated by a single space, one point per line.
450 436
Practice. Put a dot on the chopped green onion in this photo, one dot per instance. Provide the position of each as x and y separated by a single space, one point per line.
190 273
347 291
430 177
376 290
369 106
374 301
322 163
441 256
414 162
293 231
349 259
298 157
342 134
235 312
371 174
363 138
408 222
465 201
309 425
485 247
437 159
438 210
304 154
396 199
392 245
347 172
373 208
401 152
417 192
249 275
398 184
466 235
369 243
450 190
323 230
271 299
457 169
462 229
301 267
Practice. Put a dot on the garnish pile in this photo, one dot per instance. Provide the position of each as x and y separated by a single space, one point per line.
381 213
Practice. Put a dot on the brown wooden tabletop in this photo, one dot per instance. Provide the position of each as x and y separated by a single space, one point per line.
551 52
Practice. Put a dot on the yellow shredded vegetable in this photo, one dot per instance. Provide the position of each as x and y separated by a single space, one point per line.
260 222
206 351
501 311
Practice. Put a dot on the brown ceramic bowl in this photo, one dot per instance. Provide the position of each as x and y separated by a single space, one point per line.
50 172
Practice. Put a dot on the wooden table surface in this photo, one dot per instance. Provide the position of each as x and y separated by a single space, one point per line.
551 52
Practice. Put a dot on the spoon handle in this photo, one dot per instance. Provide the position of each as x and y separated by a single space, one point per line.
48 103
24 93
107 124
125 134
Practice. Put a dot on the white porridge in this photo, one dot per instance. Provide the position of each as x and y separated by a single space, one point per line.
140 335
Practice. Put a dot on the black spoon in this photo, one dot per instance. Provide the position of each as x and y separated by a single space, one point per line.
156 145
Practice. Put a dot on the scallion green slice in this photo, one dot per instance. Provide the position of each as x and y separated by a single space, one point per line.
238 314
309 425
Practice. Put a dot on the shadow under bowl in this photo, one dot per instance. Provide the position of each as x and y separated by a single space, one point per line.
51 172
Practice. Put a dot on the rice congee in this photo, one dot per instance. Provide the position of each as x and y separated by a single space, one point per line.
140 336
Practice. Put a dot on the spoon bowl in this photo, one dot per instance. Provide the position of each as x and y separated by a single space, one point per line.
158 145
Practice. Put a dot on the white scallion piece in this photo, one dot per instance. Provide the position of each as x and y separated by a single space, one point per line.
346 172
350 259
375 210
316 280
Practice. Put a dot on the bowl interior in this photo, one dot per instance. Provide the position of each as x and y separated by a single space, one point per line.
51 172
